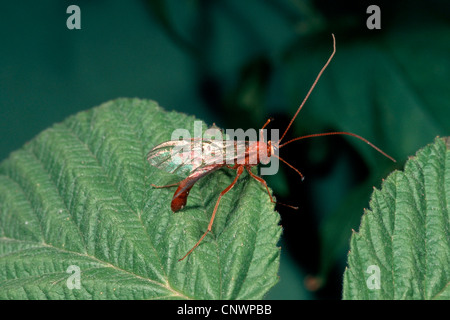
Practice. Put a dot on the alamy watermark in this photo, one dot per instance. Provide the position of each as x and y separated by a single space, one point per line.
234 146
373 282
74 280
74 20
374 20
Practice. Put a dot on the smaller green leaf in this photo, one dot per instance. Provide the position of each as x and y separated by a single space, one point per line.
402 250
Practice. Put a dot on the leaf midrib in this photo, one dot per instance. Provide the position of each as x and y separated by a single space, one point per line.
94 259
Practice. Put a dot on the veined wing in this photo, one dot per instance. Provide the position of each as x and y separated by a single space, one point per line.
176 156
182 157
226 151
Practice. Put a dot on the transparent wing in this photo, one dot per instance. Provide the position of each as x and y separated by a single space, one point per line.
227 151
182 157
175 156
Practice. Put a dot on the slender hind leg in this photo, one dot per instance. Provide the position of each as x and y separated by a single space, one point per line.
264 183
239 172
167 186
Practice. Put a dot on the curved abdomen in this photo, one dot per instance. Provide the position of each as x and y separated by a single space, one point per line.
181 194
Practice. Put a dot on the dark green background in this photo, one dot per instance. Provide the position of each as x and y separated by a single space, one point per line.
236 63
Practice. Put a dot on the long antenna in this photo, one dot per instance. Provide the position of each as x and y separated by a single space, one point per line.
311 89
290 165
340 133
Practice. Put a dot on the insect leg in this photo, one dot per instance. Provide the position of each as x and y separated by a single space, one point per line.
260 180
264 183
239 172
167 186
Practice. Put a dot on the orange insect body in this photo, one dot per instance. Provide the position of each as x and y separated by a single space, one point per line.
252 157
252 152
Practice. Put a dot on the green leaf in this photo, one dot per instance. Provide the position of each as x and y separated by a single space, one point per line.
79 195
404 240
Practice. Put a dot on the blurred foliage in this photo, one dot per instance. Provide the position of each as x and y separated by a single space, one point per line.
236 63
